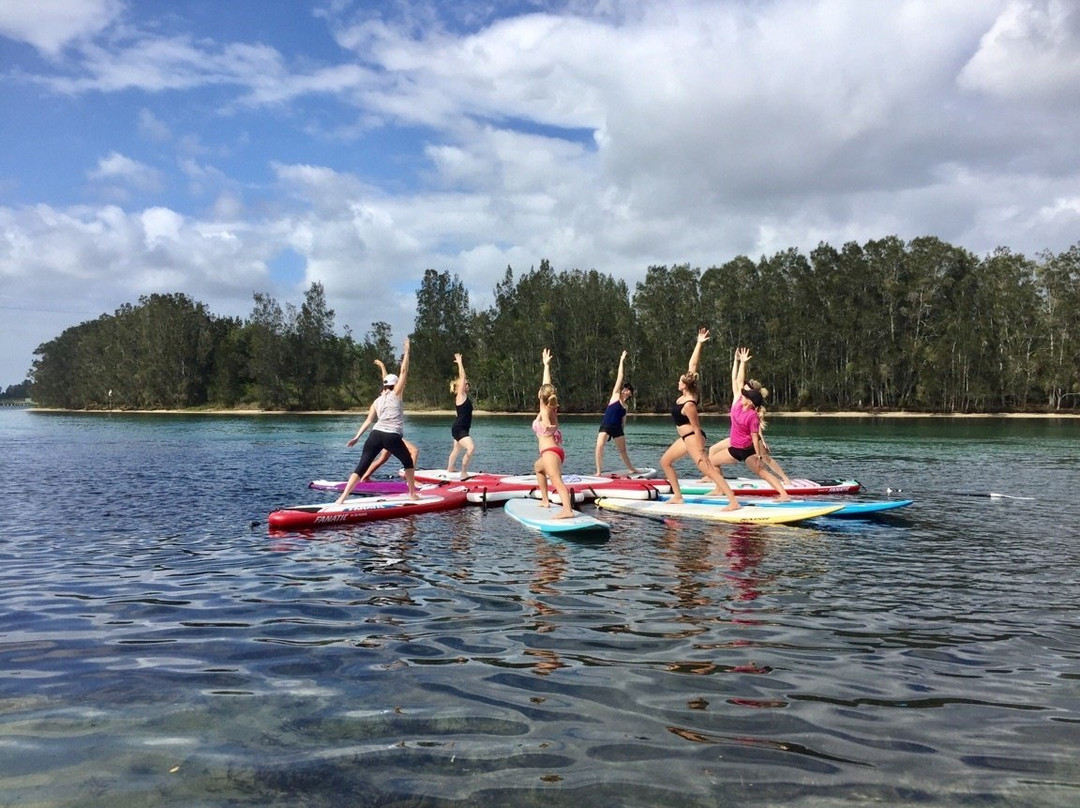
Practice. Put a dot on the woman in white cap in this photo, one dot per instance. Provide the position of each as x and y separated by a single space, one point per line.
387 413
414 450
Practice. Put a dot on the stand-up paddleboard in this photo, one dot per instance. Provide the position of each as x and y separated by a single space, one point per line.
489 488
591 487
709 512
367 488
365 509
755 486
644 473
847 510
532 514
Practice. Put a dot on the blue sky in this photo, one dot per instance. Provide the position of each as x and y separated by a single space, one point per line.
224 148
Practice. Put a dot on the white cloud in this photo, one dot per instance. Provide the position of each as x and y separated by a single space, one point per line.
153 128
1032 53
116 167
685 131
50 25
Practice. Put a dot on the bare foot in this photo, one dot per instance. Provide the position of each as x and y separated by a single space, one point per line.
565 513
732 506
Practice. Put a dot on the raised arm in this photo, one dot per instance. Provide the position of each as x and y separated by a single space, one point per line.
460 369
546 356
738 371
403 374
382 369
695 357
618 379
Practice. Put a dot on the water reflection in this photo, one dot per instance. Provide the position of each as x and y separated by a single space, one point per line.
160 650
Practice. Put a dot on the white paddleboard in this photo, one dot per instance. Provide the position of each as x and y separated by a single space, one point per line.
532 514
644 473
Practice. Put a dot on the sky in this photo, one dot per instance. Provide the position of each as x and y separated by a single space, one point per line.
219 149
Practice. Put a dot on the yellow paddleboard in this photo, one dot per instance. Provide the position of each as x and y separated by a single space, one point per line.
747 514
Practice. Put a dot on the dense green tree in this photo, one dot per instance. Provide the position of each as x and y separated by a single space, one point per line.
1059 281
268 363
441 329
668 310
885 325
316 354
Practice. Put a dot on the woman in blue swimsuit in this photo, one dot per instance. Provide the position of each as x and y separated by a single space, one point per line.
613 425
691 440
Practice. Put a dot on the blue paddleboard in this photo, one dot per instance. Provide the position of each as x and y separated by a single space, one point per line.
532 514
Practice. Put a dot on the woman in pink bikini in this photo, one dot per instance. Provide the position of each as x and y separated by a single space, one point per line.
548 466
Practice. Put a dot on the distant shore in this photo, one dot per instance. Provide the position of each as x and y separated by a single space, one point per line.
362 413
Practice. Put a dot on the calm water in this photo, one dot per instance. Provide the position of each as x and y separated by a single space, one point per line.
158 647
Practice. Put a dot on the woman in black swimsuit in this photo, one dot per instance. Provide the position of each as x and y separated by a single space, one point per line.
459 430
691 440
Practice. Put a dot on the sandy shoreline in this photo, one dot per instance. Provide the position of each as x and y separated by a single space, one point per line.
361 413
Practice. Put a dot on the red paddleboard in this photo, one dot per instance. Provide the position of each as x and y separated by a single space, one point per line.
366 509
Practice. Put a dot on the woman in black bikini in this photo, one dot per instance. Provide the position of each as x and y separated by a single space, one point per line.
691 440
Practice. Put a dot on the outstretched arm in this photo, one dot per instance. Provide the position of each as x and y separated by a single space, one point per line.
403 374
695 357
738 371
367 422
618 378
546 356
382 369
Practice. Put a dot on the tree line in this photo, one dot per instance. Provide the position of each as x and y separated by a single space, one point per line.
887 325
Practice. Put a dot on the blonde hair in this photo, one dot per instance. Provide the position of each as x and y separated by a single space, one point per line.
690 381
453 385
547 395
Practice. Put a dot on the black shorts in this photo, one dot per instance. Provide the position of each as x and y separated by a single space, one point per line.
459 432
376 442
741 454
613 430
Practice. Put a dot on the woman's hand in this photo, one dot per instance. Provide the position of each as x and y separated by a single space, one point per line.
702 335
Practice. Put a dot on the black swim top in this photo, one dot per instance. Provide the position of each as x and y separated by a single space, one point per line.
464 415
678 416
